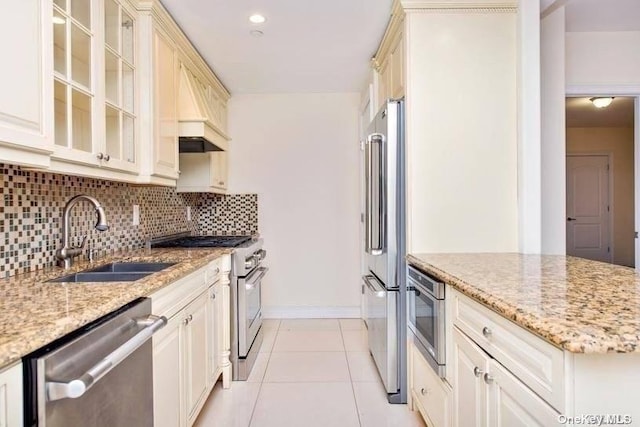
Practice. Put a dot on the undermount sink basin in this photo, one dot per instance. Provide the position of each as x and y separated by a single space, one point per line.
131 267
115 272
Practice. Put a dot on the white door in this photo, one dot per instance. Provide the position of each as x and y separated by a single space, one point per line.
513 404
470 393
588 233
167 374
196 343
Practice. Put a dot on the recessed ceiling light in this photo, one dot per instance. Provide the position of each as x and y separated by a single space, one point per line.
601 101
256 33
256 18
58 20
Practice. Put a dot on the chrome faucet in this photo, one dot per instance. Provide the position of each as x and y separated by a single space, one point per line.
67 253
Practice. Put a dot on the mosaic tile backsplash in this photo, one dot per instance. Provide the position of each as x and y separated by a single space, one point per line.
232 214
31 206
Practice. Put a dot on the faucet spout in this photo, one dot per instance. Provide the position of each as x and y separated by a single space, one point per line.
67 253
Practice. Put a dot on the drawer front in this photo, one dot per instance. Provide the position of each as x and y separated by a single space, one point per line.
174 297
431 395
213 272
534 361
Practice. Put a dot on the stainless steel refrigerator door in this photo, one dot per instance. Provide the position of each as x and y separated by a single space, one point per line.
381 195
382 327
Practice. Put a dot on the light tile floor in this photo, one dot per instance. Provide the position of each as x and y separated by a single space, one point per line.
309 373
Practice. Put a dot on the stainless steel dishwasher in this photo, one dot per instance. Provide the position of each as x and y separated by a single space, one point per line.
97 376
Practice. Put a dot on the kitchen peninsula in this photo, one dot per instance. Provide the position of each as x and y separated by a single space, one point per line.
540 337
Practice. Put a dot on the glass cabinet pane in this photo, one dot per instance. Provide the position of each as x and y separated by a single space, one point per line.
60 113
61 3
59 43
113 132
81 10
80 56
127 88
128 139
112 84
81 120
111 27
127 37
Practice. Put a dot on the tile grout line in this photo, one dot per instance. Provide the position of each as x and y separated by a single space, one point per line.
253 410
353 390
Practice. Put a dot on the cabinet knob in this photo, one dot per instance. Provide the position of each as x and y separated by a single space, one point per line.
107 157
100 156
424 391
190 317
477 372
486 332
185 321
488 378
213 295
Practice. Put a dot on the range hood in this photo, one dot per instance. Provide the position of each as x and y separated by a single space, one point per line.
197 130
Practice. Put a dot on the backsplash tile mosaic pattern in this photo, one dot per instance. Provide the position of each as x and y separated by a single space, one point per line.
31 206
231 214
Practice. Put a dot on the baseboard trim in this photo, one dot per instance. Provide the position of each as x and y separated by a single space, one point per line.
288 312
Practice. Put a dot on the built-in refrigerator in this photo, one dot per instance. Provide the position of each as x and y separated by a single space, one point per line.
384 233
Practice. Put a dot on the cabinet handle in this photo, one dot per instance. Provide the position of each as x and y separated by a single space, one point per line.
100 156
487 332
185 321
424 391
107 158
190 317
477 372
488 378
213 295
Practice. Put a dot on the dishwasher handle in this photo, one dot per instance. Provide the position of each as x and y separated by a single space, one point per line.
76 388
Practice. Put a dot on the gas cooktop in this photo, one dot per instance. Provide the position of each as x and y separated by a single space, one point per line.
203 242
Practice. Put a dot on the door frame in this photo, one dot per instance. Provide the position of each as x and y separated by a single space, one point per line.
632 92
610 187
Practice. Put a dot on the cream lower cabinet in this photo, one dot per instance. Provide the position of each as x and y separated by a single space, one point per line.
11 414
192 351
429 394
488 395
26 86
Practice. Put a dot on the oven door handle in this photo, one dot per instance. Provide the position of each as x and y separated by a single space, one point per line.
77 387
251 282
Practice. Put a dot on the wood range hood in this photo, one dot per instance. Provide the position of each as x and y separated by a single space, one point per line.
197 129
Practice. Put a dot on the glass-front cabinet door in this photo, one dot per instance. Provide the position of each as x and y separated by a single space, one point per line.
94 84
119 77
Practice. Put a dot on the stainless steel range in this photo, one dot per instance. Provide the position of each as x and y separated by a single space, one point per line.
247 272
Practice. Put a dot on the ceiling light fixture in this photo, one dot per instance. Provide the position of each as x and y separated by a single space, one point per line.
601 101
58 20
256 18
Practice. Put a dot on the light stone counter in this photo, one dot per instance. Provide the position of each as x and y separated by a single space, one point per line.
34 313
579 305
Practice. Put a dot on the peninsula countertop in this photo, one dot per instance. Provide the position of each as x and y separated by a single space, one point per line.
576 304
34 313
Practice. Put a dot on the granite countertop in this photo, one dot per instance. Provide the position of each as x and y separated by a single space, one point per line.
34 313
576 304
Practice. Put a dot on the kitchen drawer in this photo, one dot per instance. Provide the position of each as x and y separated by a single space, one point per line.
213 272
430 394
172 298
534 361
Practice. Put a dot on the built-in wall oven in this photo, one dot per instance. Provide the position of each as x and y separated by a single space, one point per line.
427 317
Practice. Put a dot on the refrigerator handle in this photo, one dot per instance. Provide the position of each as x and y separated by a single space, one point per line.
376 203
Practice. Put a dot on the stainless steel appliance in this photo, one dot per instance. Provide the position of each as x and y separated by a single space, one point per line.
427 317
100 375
384 217
247 272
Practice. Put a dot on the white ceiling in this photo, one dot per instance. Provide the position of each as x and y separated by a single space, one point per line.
580 112
308 45
602 15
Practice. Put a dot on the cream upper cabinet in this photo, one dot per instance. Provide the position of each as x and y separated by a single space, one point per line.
94 75
26 103
203 173
389 61
158 94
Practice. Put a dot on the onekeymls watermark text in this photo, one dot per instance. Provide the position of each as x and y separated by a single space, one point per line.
596 420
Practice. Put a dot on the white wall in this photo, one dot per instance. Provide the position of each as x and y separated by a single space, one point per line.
300 153
603 58
553 163
462 132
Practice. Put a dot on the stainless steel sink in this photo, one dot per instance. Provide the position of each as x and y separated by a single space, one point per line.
115 272
131 267
100 277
